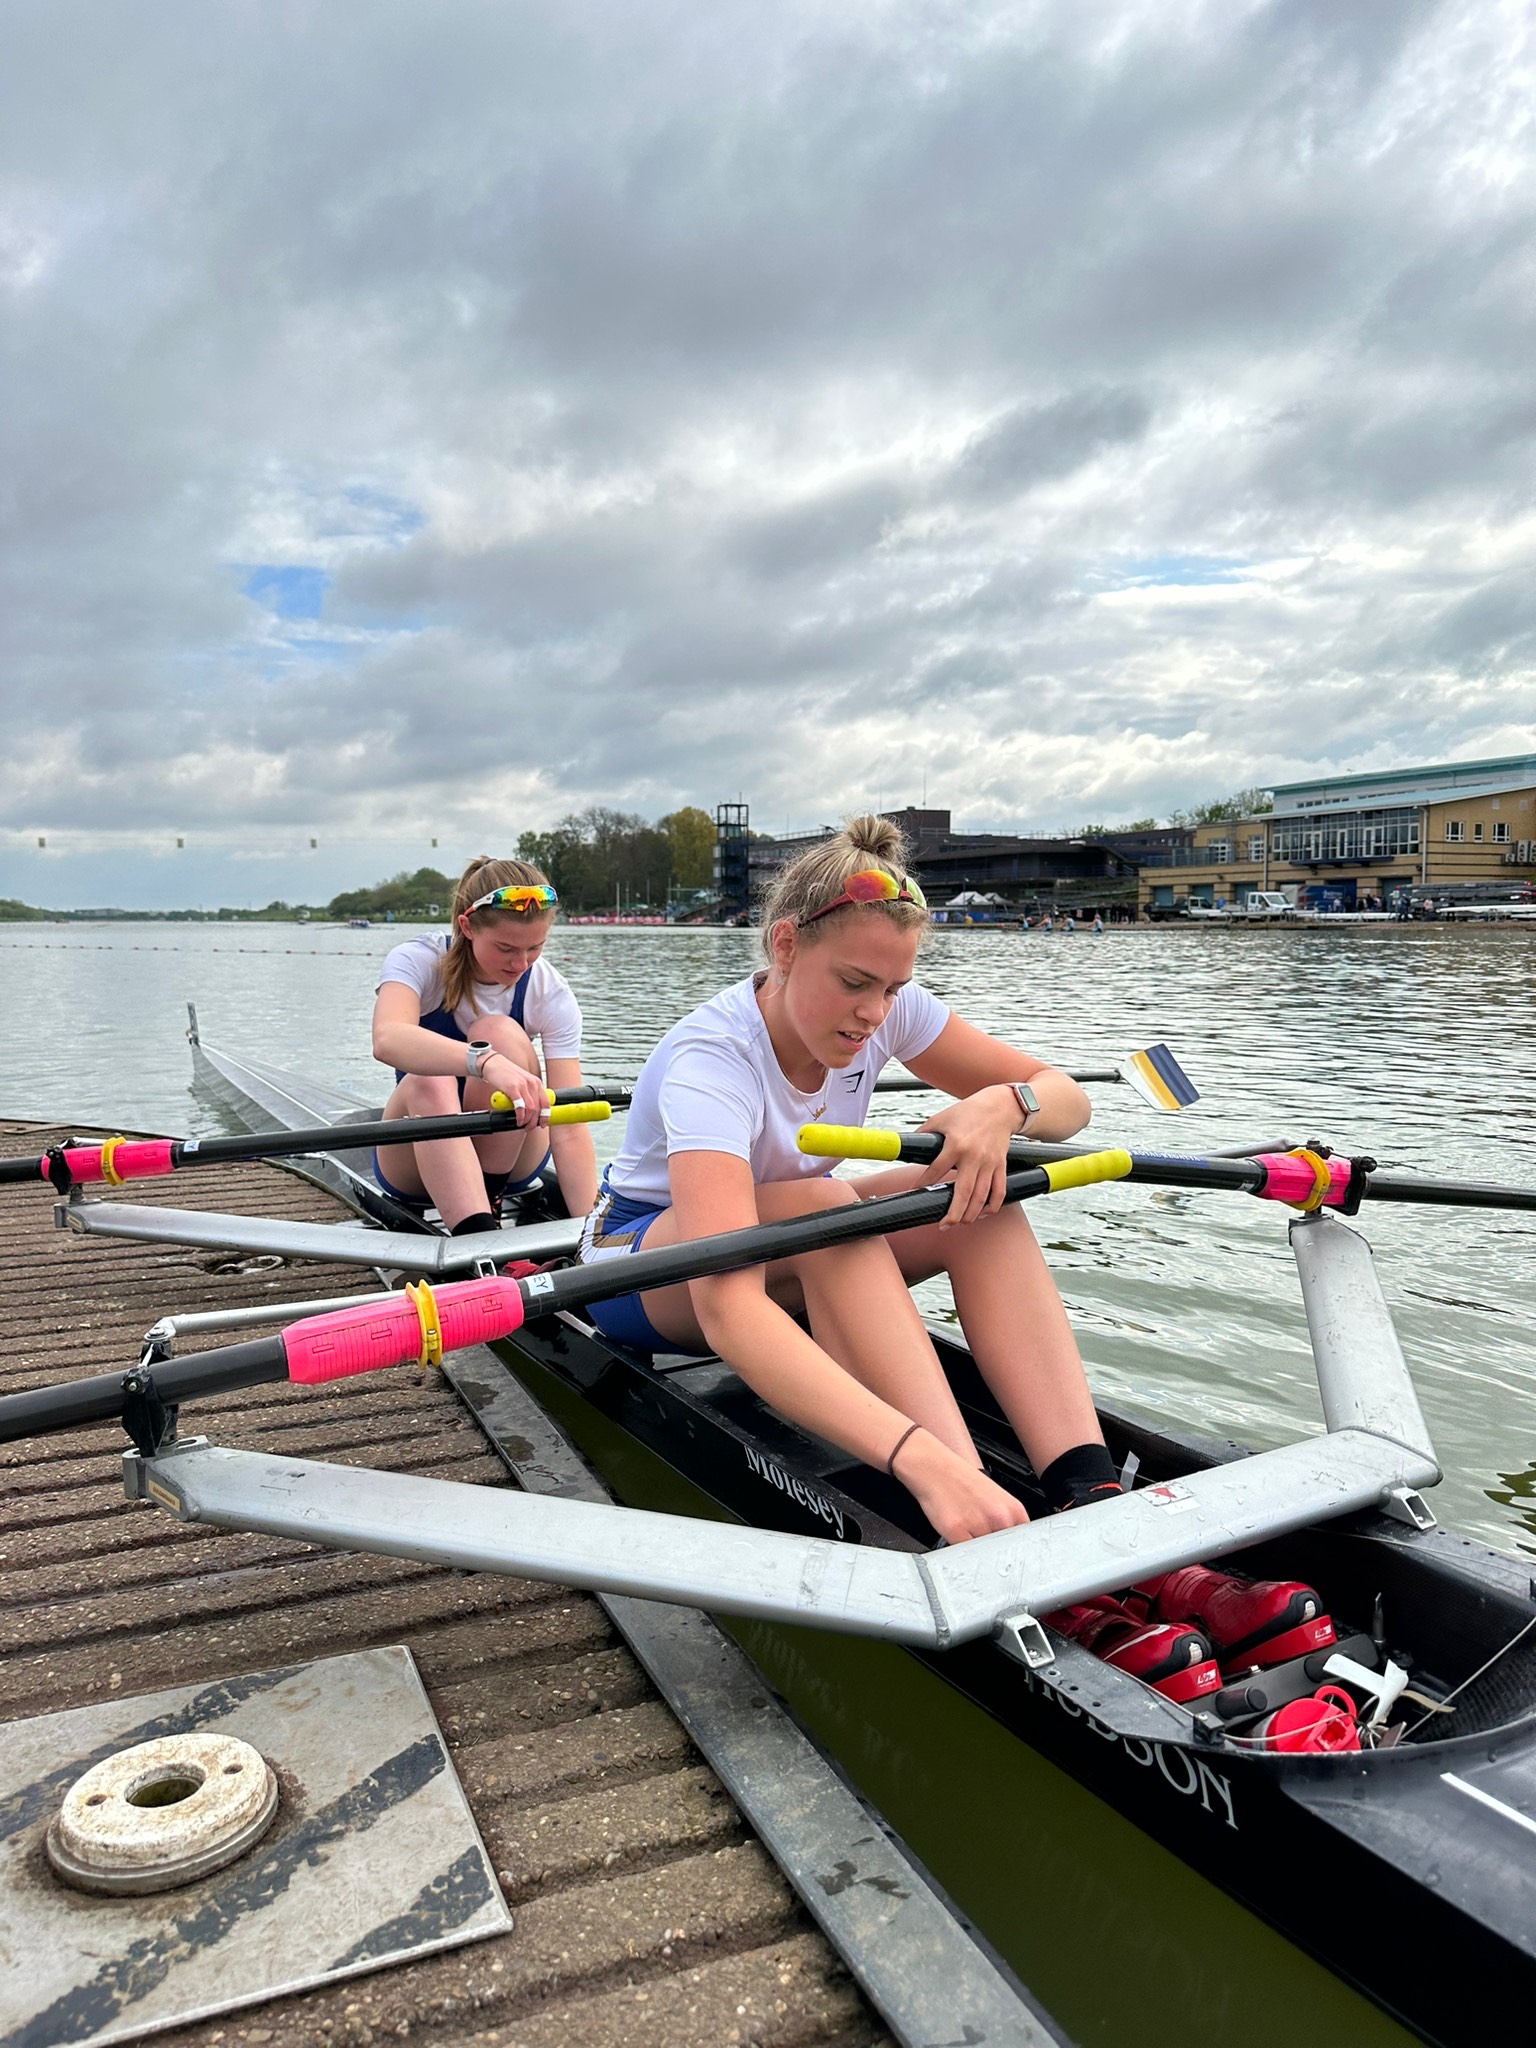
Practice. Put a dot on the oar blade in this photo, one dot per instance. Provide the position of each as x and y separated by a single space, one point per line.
1158 1078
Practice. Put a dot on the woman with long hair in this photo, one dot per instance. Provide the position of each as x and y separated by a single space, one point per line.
458 1015
710 1146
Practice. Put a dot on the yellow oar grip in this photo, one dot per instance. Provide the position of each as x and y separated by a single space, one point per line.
1083 1172
848 1141
565 1113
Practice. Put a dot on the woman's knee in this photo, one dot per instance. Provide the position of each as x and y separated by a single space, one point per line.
780 1199
427 1095
507 1037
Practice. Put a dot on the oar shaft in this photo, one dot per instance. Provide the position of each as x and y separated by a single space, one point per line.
921 1148
1447 1194
1275 1174
908 1084
388 1333
46 1409
140 1159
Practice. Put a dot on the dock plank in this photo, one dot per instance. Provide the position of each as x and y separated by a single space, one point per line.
646 1914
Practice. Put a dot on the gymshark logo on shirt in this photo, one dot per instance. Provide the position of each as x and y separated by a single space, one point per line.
854 1079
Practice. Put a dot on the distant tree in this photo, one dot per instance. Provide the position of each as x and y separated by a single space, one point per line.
1243 803
1103 831
405 894
691 837
562 855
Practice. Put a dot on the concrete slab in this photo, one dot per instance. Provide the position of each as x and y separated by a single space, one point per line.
374 1856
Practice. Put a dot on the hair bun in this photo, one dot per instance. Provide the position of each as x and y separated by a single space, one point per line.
877 837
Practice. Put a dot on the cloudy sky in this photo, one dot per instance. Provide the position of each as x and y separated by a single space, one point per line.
423 417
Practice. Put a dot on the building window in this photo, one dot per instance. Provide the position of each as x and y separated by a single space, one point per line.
1501 832
1218 850
1477 833
1256 847
1355 835
1454 829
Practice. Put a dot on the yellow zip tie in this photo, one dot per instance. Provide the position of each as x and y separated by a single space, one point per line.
1322 1180
109 1172
425 1304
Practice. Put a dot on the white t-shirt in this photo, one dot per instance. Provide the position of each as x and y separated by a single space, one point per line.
551 1012
714 1085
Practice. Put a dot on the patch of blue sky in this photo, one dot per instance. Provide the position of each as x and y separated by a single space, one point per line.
1188 569
287 590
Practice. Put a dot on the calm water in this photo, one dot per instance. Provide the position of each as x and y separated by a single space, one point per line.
1415 1045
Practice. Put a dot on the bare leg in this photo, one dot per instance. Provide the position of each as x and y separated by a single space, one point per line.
1012 1316
450 1172
857 1303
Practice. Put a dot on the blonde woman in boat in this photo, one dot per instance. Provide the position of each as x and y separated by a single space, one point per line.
710 1146
464 1014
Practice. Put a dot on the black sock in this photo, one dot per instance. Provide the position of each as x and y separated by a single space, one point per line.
495 1188
481 1220
1085 1473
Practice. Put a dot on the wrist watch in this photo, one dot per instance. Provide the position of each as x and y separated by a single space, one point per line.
1029 1102
477 1053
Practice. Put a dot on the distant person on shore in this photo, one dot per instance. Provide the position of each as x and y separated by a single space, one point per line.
457 1015
710 1145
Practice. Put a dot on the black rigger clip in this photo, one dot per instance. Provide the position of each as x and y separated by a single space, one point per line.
146 1417
1360 1171
57 1158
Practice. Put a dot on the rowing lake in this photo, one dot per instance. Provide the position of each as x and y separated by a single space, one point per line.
1413 1044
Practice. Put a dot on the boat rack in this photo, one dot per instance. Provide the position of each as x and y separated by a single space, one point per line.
1375 1453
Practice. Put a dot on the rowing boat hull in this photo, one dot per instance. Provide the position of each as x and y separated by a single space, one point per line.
1409 1871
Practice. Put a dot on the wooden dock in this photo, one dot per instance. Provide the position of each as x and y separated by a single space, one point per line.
646 1913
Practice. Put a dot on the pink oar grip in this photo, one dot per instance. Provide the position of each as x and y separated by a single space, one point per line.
137 1159
1291 1180
378 1334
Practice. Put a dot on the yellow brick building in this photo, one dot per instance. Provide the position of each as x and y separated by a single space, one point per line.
1464 831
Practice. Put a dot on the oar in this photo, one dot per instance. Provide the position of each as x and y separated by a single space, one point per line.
1307 1178
421 1324
118 1159
1151 1070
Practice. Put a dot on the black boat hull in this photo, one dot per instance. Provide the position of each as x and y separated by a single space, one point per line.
1417 1891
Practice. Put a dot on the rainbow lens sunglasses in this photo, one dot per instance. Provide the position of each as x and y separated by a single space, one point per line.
872 885
516 896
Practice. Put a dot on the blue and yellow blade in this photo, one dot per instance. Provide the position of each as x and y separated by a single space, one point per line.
1158 1078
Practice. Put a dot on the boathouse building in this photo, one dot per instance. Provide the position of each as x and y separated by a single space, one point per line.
1464 831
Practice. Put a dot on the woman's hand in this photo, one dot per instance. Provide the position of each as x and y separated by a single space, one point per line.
527 1091
958 1500
976 1132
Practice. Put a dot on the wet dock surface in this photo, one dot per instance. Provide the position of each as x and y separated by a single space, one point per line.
646 1914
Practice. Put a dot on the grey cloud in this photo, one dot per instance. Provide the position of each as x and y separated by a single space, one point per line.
1032 444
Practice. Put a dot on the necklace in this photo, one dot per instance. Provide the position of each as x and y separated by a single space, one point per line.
816 1110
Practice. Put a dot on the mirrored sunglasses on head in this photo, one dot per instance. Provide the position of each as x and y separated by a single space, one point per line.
517 896
872 885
